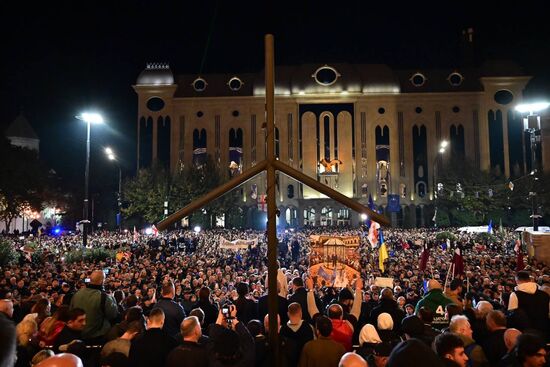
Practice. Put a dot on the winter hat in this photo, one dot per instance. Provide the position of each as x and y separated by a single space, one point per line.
384 321
368 334
412 353
412 325
345 293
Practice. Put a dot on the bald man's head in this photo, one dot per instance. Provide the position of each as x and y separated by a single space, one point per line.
97 277
510 338
433 284
352 360
6 307
61 360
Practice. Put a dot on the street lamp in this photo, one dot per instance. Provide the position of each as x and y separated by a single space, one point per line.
112 157
532 126
442 148
89 118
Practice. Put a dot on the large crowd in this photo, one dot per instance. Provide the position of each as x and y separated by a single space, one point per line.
179 299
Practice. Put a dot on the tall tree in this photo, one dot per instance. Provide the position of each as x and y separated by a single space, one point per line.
23 182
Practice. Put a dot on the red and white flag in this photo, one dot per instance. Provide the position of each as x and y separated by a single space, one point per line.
262 203
155 231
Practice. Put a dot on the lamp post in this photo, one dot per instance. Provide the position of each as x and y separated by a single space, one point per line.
89 118
442 148
112 157
532 126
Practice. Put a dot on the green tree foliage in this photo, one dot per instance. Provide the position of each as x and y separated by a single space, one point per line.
8 255
24 182
482 196
144 195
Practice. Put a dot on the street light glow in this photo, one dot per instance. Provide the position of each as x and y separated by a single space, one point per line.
364 217
441 150
532 107
109 151
444 144
197 229
91 118
111 157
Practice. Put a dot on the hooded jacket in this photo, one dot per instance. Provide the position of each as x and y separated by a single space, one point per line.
435 301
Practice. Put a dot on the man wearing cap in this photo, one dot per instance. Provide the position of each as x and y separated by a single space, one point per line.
435 301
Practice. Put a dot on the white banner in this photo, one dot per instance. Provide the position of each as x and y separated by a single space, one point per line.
237 244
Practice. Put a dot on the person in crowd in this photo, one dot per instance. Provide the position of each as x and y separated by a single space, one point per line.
510 339
152 347
426 316
27 342
323 351
478 319
299 295
41 355
282 303
190 352
450 348
296 328
493 345
368 339
435 301
199 314
207 306
6 308
173 312
461 326
232 344
342 330
123 343
52 326
8 347
534 302
62 360
288 348
386 327
134 313
529 352
73 328
413 352
380 355
99 307
352 360
454 292
387 304
247 309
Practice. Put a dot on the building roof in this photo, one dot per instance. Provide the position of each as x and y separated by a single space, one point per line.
156 74
346 78
21 128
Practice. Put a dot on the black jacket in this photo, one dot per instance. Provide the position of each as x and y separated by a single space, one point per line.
188 354
494 347
300 296
210 312
151 348
282 306
247 309
173 315
246 342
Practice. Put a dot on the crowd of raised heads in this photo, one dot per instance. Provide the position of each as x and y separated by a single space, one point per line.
180 299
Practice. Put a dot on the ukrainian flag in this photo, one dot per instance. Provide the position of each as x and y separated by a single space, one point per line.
382 251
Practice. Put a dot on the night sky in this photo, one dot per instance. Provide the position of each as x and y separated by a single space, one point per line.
60 58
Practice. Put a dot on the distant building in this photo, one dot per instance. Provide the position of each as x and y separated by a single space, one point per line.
362 129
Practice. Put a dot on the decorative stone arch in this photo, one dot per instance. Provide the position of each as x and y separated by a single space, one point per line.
327 216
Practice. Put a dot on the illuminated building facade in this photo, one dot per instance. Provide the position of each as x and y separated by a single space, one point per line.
362 129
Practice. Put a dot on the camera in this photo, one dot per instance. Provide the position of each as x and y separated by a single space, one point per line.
225 311
87 280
